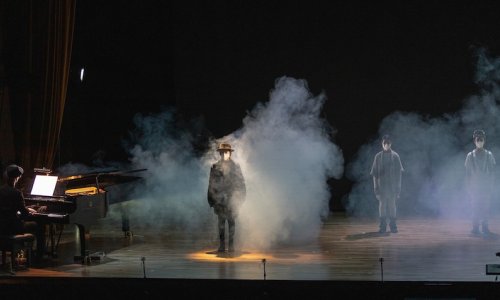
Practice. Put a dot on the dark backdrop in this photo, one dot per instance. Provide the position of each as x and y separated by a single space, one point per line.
214 60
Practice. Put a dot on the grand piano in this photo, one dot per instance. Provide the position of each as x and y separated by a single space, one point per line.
82 200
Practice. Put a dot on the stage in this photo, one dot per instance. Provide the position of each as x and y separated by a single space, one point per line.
439 256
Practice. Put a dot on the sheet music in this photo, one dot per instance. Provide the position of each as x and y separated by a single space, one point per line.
44 185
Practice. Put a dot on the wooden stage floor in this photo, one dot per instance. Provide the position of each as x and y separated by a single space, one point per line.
348 249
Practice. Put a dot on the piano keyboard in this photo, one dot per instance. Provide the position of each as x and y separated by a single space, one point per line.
52 215
47 199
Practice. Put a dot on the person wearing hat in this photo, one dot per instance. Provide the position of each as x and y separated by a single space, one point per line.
13 212
226 193
479 174
386 172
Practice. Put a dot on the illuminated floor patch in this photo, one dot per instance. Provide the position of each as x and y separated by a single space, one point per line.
247 256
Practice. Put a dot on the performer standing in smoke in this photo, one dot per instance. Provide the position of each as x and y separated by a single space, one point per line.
386 172
226 193
479 173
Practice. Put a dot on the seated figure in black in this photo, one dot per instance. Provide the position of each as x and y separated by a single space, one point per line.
14 214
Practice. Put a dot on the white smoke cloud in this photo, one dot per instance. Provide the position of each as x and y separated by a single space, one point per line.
433 151
173 192
286 155
173 188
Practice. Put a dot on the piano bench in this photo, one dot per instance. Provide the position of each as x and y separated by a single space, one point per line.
14 244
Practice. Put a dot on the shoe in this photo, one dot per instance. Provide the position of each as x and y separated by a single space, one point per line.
382 226
393 226
486 229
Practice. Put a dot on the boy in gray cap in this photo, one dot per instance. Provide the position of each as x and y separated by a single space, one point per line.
386 172
479 174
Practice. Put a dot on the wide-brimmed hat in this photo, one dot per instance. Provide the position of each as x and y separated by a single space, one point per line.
224 147
13 171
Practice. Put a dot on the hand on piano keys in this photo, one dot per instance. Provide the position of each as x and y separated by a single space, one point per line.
33 209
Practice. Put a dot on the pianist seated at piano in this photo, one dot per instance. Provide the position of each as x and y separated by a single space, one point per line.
14 214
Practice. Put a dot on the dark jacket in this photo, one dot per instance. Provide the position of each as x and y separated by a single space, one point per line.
226 188
11 202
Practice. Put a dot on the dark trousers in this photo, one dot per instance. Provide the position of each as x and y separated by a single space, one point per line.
222 229
480 209
39 231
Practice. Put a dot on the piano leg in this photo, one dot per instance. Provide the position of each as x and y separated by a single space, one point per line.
85 255
52 232
46 232
40 241
126 224
81 235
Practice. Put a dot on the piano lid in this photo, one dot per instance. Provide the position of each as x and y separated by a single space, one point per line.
102 179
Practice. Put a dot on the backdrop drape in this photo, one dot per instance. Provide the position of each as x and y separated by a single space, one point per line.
36 46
